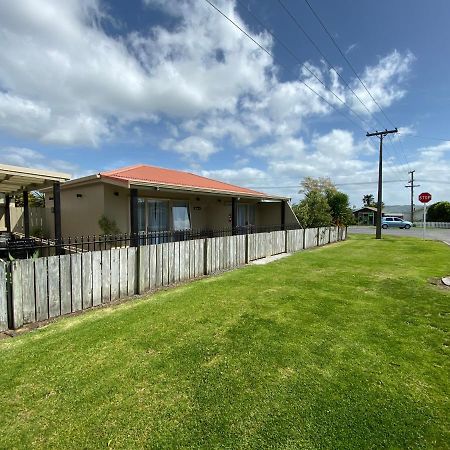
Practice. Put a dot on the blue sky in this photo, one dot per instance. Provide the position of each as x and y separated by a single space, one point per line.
89 85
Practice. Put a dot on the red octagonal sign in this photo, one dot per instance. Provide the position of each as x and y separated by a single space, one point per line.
425 197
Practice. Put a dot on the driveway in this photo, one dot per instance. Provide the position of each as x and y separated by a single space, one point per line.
437 234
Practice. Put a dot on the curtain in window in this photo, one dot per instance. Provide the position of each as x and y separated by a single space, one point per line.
158 215
180 216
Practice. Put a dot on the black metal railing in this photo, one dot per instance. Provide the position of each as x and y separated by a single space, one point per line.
18 247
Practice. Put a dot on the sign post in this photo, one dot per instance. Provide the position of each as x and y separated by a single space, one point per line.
424 197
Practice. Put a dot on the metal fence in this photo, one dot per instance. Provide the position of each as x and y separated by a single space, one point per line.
19 247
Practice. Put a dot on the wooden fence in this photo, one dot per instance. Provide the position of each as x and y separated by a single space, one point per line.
48 287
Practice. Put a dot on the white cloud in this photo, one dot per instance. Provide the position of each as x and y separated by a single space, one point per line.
383 80
27 157
64 80
190 146
19 156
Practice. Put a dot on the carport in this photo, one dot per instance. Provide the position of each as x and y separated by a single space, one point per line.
15 180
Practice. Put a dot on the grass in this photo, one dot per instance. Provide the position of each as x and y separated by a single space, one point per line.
340 347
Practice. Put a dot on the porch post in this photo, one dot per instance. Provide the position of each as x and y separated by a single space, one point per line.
7 213
26 215
134 217
283 214
57 214
234 201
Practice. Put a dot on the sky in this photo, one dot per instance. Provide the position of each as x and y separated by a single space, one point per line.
93 85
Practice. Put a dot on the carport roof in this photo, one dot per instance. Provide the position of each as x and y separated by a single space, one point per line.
14 179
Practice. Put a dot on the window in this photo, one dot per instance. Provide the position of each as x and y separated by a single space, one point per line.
180 216
155 215
141 215
246 215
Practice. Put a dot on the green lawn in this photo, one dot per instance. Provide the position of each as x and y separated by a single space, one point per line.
345 346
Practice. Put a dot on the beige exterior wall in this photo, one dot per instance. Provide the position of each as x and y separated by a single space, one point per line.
79 215
268 214
37 219
117 206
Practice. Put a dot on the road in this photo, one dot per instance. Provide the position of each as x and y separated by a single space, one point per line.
437 234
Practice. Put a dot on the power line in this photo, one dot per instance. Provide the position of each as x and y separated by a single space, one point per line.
354 71
287 49
346 59
362 183
426 137
331 66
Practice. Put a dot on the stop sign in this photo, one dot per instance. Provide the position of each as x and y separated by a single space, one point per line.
425 197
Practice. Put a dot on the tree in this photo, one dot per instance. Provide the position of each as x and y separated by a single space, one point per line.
369 200
320 184
439 212
35 199
341 212
323 204
313 210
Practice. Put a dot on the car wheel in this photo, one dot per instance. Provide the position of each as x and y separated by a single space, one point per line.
407 227
384 226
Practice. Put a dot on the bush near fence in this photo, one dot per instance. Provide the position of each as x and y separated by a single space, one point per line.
34 290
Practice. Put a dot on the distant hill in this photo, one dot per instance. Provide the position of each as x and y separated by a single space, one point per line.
401 209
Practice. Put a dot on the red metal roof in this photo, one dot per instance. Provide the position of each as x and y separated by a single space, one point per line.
159 176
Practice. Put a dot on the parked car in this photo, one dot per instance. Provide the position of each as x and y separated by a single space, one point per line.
395 222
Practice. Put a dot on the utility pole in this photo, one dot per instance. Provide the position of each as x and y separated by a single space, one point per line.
411 186
381 135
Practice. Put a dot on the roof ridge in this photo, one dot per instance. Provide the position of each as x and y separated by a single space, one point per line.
123 169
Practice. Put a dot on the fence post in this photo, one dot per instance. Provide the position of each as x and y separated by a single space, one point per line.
318 236
246 248
205 256
329 234
3 296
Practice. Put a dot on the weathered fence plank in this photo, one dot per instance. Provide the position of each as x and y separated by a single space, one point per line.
115 273
28 293
131 268
144 269
16 269
96 278
310 237
77 294
41 278
153 267
199 253
106 276
3 297
66 284
159 265
171 262
54 302
86 279
123 272
165 264
191 259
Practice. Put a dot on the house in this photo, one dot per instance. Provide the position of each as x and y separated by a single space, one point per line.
144 198
366 215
